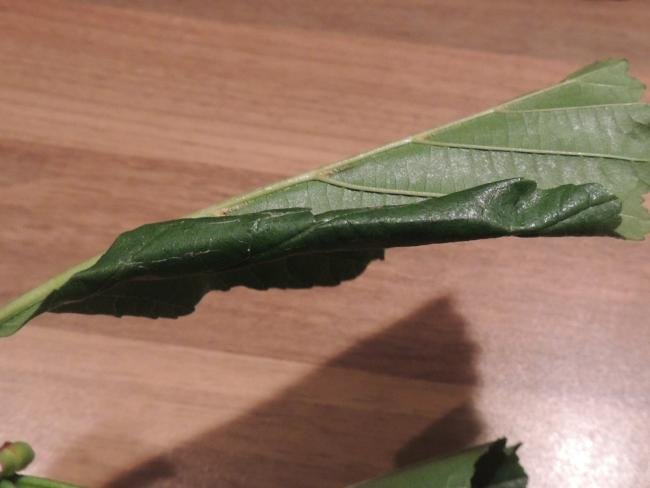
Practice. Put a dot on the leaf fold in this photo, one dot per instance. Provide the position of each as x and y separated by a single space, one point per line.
163 269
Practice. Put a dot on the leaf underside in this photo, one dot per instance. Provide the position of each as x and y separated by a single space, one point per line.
492 465
590 128
588 135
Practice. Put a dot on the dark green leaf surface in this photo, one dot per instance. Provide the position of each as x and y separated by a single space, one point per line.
489 466
163 269
590 128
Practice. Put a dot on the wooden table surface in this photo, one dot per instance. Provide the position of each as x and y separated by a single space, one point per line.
115 113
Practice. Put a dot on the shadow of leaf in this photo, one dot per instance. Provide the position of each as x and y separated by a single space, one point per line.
397 397
451 433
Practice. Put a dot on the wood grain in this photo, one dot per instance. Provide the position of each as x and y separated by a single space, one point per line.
114 113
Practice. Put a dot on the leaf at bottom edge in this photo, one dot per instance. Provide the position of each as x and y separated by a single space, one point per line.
492 465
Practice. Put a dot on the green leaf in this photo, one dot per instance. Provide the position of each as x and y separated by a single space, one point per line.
489 466
590 128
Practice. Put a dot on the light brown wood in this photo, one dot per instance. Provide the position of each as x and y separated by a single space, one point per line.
117 113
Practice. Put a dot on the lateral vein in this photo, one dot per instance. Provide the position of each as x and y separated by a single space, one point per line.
374 189
578 107
480 147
